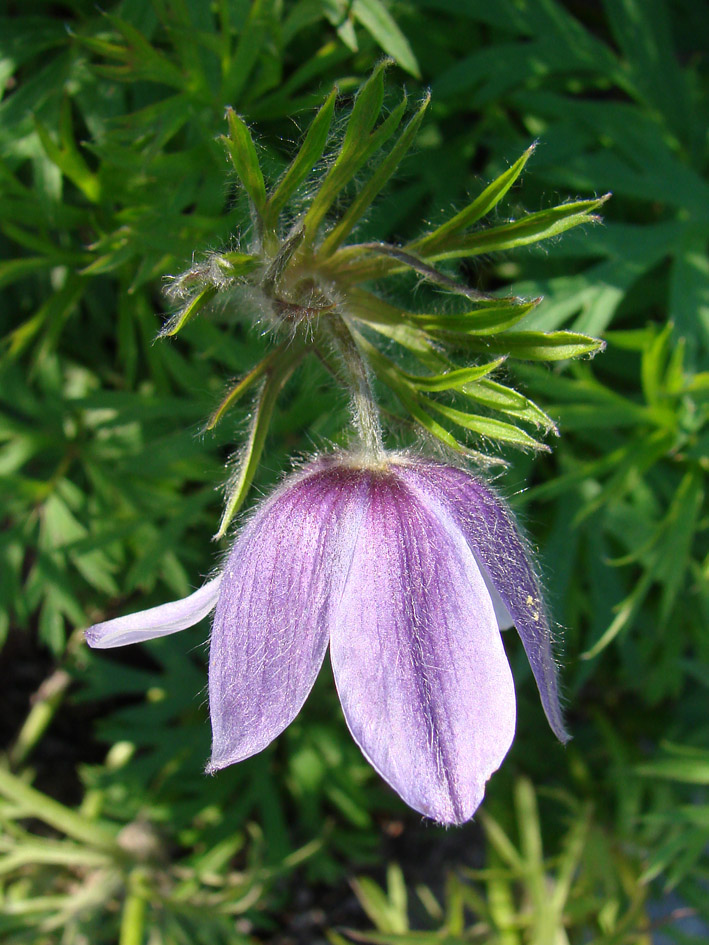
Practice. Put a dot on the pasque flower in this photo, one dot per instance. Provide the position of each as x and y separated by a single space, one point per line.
408 569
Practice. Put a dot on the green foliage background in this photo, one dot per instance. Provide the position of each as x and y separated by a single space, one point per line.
111 178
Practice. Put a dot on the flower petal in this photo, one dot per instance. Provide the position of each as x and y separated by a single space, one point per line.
156 622
270 627
497 543
418 660
502 614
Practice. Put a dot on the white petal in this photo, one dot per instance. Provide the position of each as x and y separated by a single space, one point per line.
502 614
157 621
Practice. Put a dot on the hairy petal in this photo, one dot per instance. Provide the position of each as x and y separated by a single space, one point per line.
270 627
417 656
156 622
497 543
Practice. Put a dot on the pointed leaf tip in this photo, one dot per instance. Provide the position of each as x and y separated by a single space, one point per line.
309 153
242 151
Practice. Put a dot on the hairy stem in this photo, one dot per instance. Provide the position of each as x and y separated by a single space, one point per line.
365 413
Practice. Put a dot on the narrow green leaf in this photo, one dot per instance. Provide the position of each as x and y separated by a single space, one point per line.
120 252
452 380
594 397
538 346
363 262
507 400
390 322
365 111
417 405
242 152
102 47
480 321
188 312
641 453
34 803
417 342
684 770
253 38
34 242
54 852
358 145
675 381
377 20
625 613
374 185
244 384
378 907
381 134
145 59
486 426
501 843
67 157
305 160
653 364
571 856
414 406
699 384
13 269
532 228
689 291
475 211
682 522
346 166
242 478
530 835
398 896
643 32
50 317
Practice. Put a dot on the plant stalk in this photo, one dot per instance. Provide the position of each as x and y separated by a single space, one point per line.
365 413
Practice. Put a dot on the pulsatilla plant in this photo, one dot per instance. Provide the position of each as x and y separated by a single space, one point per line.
407 566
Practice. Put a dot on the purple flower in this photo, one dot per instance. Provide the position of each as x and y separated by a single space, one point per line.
408 570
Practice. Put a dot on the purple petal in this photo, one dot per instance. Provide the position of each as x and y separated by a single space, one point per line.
497 544
156 622
418 660
271 627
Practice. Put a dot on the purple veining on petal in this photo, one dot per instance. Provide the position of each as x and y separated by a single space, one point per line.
157 621
417 656
270 627
495 540
409 570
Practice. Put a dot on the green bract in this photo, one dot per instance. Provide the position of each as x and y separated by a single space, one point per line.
299 275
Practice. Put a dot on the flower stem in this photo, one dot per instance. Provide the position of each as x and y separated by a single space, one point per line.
365 414
36 804
134 911
45 703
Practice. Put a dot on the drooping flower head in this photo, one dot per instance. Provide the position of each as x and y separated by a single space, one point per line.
408 569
